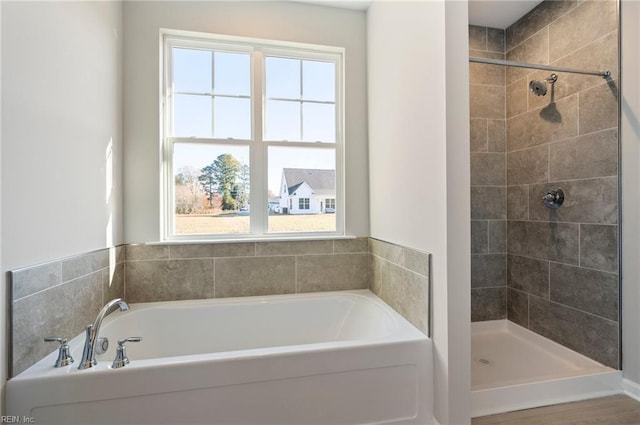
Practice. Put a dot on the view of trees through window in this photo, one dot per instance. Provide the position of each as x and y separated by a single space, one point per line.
212 134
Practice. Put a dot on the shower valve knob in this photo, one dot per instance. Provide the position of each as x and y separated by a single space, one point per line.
553 198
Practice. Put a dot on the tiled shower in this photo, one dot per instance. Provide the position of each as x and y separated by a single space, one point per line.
554 272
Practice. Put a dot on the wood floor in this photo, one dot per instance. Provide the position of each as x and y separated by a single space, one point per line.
614 410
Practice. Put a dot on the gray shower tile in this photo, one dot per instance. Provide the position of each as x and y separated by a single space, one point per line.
238 249
488 304
486 101
544 241
480 73
495 40
598 109
388 251
478 135
120 253
518 307
416 261
497 135
406 292
599 55
332 272
533 50
29 280
477 37
592 336
479 236
237 277
517 93
599 247
591 155
497 236
518 202
586 201
587 22
538 18
528 275
294 248
169 280
488 270
488 169
183 251
113 283
351 245
556 121
588 290
528 165
62 311
488 203
81 265
147 252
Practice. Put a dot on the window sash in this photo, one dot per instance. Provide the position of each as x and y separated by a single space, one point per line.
258 147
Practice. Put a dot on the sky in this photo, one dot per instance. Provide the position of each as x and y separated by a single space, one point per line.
197 115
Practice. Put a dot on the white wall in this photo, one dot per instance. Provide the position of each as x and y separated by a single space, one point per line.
419 152
270 20
630 161
61 109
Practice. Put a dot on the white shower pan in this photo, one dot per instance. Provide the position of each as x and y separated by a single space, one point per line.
513 368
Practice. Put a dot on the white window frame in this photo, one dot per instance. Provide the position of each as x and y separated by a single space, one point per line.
259 211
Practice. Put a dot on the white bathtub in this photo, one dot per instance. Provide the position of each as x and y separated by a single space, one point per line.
330 358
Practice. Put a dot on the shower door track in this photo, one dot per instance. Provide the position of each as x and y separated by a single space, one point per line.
603 74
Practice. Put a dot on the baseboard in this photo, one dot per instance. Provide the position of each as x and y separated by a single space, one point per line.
630 388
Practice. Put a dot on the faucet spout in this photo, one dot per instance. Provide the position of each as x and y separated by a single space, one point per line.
89 351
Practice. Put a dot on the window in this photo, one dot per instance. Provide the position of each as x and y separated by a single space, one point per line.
250 125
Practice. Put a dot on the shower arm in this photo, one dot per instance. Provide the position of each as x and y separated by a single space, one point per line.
603 74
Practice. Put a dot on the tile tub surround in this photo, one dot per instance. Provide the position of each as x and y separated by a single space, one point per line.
60 298
400 277
488 175
562 265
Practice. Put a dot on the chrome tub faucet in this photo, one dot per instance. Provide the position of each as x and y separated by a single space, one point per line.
89 351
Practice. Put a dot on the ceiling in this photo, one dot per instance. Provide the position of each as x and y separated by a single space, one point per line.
485 13
498 13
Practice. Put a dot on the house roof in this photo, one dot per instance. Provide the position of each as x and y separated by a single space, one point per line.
322 182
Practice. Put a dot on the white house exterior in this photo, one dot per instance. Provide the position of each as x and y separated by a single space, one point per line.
307 191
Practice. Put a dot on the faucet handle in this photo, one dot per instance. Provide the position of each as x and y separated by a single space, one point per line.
64 353
121 359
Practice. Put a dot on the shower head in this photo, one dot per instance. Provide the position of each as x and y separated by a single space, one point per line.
539 88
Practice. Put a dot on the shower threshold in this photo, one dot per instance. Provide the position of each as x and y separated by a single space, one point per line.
513 368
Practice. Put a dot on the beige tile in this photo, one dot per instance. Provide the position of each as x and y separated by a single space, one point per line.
497 136
191 251
334 272
557 121
416 261
62 311
294 248
477 37
528 165
240 249
488 169
592 155
598 108
113 283
237 277
495 40
533 50
388 251
83 264
518 202
29 280
478 135
351 245
479 73
538 18
585 23
169 280
487 101
517 93
146 252
120 253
